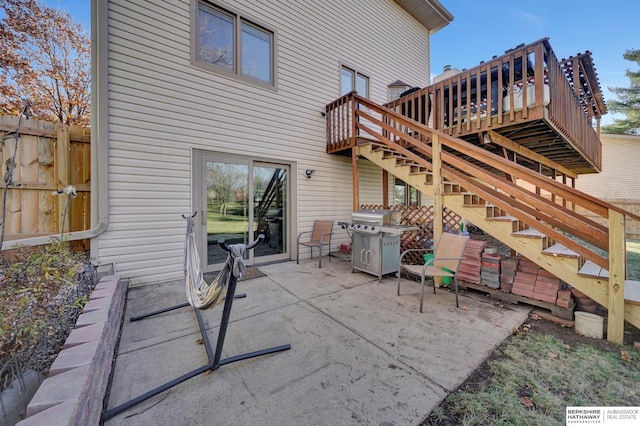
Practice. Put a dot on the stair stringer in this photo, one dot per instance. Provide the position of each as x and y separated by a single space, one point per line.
565 268
403 171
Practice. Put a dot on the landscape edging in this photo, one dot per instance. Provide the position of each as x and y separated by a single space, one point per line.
74 391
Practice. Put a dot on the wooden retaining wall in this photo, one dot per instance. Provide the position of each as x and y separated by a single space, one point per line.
49 157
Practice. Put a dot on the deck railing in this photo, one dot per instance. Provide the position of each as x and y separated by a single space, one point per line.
525 84
566 114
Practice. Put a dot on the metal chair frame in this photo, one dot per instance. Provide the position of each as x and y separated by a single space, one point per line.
447 257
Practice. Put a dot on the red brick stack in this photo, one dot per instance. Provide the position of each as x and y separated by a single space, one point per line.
565 299
469 269
534 282
490 271
547 287
525 280
508 268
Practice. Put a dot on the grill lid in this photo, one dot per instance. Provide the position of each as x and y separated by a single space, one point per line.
376 217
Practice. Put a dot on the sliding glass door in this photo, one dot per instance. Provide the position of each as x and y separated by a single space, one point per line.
242 198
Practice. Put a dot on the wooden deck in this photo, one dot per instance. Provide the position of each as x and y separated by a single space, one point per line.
545 105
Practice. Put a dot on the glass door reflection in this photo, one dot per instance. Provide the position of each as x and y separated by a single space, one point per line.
227 207
270 208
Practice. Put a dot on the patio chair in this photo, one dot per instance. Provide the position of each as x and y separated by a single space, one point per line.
444 263
320 236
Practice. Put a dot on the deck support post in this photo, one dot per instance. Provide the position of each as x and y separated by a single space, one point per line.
356 178
385 189
617 276
438 204
355 151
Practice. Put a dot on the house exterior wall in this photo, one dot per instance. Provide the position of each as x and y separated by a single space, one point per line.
619 181
620 176
161 108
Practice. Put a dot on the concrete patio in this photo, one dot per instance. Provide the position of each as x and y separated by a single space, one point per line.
359 353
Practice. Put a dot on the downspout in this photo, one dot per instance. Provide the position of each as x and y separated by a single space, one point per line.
99 139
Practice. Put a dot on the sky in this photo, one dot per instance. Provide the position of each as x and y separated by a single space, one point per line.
482 29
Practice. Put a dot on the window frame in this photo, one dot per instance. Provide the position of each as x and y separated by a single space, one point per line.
407 195
355 73
239 19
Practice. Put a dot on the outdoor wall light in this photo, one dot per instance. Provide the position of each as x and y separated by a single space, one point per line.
309 172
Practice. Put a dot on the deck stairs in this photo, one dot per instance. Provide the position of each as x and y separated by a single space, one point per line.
566 264
548 231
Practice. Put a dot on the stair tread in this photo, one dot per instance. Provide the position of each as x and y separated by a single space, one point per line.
529 233
592 270
502 218
560 250
632 291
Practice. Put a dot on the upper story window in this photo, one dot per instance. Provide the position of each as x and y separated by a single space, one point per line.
350 80
227 42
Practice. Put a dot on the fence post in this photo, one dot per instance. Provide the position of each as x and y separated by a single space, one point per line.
62 172
617 275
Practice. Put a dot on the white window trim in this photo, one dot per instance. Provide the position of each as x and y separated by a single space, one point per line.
236 73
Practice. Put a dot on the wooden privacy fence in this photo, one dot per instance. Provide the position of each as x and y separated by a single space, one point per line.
422 218
49 157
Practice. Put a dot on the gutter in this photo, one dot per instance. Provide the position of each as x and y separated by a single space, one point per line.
99 140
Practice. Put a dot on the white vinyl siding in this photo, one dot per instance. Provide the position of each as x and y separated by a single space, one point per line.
161 107
620 176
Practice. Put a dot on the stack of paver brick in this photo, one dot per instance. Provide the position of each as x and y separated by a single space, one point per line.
508 268
547 287
534 282
469 269
565 299
490 271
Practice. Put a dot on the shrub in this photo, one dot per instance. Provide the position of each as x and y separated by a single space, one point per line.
41 298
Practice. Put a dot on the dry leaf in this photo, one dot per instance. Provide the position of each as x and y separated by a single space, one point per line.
625 356
526 401
534 316
552 355
200 341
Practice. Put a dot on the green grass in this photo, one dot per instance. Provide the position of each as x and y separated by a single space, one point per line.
535 376
229 224
633 260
